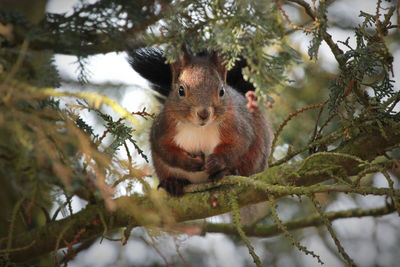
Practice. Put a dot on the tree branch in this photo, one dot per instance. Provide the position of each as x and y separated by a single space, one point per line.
156 208
64 34
314 220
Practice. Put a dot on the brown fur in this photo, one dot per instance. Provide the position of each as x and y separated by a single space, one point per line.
244 137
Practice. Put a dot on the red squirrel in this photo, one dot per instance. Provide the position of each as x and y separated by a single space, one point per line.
204 130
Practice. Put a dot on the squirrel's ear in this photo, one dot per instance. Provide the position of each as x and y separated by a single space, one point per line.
180 63
176 68
218 62
186 56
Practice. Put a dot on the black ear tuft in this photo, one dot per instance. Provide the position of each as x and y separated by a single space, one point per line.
150 64
217 61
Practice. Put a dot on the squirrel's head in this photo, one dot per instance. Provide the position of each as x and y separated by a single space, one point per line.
199 92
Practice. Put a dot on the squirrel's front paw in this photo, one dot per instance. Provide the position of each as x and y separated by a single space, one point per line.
195 162
173 186
215 167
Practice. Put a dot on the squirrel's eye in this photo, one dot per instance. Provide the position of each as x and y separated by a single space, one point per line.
222 92
181 91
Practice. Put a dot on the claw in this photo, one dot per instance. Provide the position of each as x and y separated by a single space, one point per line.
173 186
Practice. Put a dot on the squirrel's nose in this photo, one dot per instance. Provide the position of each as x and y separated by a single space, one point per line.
203 114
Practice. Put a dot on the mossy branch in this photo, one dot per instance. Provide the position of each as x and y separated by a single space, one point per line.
313 220
329 226
288 234
239 228
285 179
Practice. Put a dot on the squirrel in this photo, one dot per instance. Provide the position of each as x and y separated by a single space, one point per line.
205 129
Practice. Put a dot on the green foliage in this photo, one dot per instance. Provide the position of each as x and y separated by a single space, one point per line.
100 27
367 66
50 153
121 134
319 31
247 29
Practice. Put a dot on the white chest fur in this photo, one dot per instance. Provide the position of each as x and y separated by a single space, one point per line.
195 139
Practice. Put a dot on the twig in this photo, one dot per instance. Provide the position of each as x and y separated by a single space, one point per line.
328 225
103 222
18 249
70 250
15 68
144 114
288 20
326 123
392 194
283 124
316 124
57 246
12 225
282 227
328 138
236 219
153 245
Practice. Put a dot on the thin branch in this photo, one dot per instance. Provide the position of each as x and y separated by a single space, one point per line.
12 226
313 220
337 52
289 117
329 226
314 136
89 40
288 234
392 194
288 20
239 228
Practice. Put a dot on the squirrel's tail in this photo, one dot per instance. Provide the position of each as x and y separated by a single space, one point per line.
150 64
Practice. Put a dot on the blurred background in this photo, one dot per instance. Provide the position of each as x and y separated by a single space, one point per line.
369 241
